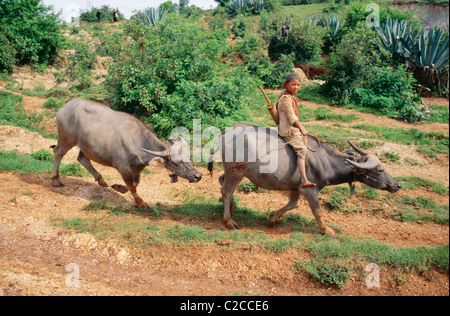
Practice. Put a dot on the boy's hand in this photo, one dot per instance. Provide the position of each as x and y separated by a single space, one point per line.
301 128
304 131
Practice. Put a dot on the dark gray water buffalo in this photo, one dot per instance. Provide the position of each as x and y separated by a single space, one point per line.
117 140
263 157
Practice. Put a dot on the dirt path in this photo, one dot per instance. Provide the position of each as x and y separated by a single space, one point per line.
38 258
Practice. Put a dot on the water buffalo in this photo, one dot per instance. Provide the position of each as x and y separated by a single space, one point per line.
117 140
263 157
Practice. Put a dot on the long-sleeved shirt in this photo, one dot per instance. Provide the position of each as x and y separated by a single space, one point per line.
287 115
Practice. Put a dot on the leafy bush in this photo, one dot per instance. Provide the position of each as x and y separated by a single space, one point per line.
174 73
272 74
305 40
30 33
81 62
359 77
351 63
391 92
7 50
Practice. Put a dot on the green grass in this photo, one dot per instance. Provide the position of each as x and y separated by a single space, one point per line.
302 11
328 115
438 114
429 143
411 183
420 209
13 113
37 163
333 261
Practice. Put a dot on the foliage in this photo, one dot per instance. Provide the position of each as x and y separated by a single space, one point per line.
81 62
248 7
427 49
357 13
305 40
359 77
334 26
30 33
429 52
7 51
90 15
390 92
151 16
173 73
390 35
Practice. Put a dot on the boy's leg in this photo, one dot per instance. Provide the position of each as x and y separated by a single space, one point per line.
305 183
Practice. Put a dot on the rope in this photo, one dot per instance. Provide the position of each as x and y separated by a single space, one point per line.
317 136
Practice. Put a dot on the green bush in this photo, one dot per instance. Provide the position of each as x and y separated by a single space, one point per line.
7 51
174 72
359 77
35 32
305 40
81 62
390 92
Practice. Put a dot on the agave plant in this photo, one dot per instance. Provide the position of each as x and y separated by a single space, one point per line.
334 30
430 54
151 16
246 7
390 35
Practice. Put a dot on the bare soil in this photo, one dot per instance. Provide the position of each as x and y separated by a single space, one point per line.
37 257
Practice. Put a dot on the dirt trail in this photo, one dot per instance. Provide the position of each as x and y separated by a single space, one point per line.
38 258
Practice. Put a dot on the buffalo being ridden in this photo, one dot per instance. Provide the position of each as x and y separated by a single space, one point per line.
260 155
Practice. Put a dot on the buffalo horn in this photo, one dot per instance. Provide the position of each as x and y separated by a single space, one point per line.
370 164
162 154
359 151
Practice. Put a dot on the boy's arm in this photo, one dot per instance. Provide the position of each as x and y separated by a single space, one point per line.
285 105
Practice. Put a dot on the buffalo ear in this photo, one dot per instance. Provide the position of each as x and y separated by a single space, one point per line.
157 162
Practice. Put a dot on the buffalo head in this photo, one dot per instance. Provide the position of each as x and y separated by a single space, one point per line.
369 170
176 158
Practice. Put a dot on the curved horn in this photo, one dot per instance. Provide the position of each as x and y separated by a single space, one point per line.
162 154
371 163
359 151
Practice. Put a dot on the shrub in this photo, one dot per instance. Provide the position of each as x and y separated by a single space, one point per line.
351 63
390 92
7 50
35 30
174 72
359 77
82 61
305 40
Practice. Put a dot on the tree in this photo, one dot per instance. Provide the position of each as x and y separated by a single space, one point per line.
34 30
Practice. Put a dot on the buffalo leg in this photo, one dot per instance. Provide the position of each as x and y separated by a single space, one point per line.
293 201
59 152
132 181
230 180
313 199
87 164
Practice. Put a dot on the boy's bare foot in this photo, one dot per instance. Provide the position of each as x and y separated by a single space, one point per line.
308 185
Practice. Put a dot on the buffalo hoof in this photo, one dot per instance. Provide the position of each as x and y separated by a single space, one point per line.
230 224
57 184
329 232
102 183
120 188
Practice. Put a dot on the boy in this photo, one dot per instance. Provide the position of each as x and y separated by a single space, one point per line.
289 126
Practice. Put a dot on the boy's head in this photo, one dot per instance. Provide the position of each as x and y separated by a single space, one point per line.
292 83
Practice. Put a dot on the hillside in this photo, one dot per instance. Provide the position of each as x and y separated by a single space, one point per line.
83 239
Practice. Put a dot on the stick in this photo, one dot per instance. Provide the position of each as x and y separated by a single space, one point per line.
270 107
